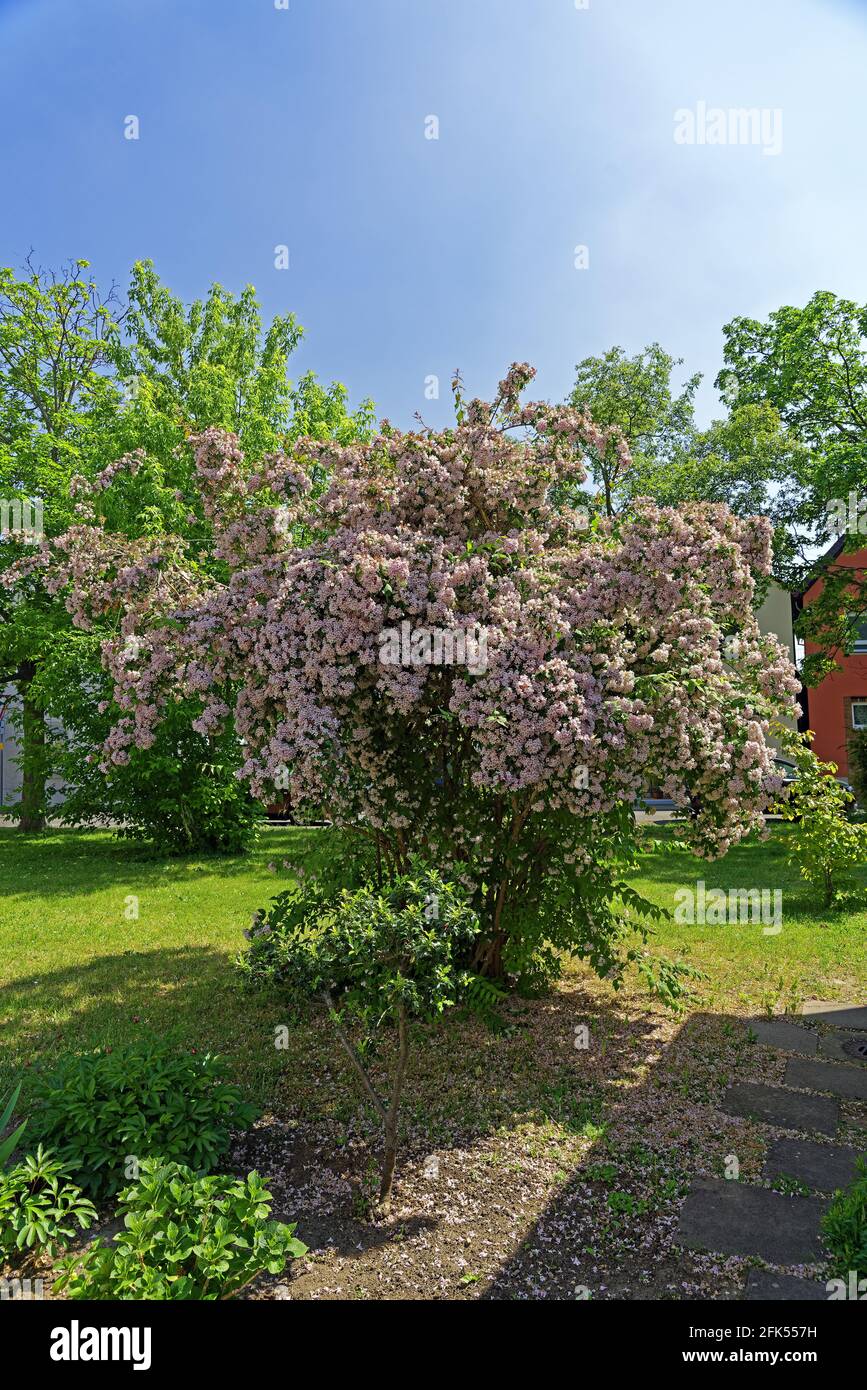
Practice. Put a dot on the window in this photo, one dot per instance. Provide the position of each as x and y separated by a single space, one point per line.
860 637
859 714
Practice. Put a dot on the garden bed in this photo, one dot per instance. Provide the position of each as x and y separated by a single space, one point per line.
542 1170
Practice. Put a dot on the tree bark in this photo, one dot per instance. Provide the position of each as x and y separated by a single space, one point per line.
353 1056
389 1156
488 956
32 807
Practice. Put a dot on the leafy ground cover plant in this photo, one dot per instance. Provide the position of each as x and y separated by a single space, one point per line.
825 844
184 1237
376 958
9 1144
845 1227
107 1110
40 1205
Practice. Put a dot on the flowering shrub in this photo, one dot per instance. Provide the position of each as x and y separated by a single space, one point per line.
619 658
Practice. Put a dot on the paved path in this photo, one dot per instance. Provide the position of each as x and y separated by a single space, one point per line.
784 1227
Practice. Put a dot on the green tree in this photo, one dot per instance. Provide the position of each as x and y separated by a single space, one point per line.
56 336
810 365
747 461
635 395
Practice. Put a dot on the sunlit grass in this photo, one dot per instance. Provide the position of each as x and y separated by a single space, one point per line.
817 953
79 969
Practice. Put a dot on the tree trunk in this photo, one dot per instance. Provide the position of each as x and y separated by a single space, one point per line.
390 1154
353 1056
32 807
488 956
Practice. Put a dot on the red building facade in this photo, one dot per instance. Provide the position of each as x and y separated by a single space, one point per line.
838 705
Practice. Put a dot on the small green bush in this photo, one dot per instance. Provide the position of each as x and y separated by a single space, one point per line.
372 949
104 1108
375 958
40 1206
825 845
845 1227
184 1237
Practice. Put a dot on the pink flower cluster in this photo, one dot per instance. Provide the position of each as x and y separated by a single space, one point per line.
609 650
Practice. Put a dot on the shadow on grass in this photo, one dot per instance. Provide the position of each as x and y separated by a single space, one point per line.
193 994
755 864
64 863
187 994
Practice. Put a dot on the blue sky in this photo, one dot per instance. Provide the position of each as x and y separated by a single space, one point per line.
409 256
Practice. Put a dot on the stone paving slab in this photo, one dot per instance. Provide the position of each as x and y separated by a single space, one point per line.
824 1167
788 1109
833 1077
736 1219
763 1286
836 1045
788 1037
841 1015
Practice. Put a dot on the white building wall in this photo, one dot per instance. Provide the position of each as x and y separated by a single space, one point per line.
10 752
10 773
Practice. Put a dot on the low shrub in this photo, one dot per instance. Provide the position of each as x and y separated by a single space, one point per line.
376 959
40 1206
825 844
845 1227
102 1110
184 1237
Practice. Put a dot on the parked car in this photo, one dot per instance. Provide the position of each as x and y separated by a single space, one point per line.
784 767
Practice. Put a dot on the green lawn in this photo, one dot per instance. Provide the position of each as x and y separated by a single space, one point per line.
76 972
817 953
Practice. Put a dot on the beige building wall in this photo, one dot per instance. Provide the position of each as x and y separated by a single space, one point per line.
775 616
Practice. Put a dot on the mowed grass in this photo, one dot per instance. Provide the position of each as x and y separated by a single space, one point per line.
818 953
78 969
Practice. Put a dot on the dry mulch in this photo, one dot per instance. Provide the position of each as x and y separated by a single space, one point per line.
569 1188
530 1168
